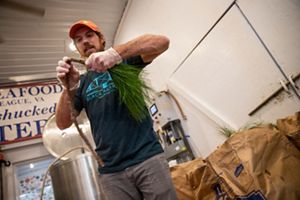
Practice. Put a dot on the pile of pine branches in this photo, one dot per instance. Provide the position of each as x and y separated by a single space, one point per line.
133 90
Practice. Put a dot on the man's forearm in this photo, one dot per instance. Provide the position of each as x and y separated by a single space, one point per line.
148 46
64 110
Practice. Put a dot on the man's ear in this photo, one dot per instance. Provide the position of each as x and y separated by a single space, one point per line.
102 39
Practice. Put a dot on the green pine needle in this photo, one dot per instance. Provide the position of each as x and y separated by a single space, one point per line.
228 132
133 91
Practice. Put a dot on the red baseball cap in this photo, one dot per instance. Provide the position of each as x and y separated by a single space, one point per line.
81 23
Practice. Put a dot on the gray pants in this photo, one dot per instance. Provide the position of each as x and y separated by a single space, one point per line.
149 180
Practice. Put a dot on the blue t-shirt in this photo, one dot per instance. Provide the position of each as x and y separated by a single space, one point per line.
120 140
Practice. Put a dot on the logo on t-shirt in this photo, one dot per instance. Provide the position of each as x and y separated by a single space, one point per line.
101 86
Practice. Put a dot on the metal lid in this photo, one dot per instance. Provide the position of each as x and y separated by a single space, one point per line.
57 141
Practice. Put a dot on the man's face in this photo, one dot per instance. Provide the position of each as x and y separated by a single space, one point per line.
88 42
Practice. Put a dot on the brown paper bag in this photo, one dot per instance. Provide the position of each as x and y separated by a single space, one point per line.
290 126
261 161
194 180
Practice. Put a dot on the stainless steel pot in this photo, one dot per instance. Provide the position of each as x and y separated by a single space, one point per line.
76 179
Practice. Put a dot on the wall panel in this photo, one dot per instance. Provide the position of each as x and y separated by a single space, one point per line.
231 73
278 24
185 23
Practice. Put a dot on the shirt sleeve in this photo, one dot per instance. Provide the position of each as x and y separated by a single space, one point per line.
136 61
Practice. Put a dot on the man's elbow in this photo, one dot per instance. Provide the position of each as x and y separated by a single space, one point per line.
157 44
165 42
62 125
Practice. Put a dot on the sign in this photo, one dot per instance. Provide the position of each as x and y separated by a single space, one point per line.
25 109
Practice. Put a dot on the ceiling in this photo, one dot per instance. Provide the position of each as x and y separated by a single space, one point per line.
34 34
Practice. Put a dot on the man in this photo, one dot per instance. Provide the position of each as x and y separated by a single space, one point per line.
134 163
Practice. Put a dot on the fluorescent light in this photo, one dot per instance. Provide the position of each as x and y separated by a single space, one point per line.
72 46
31 166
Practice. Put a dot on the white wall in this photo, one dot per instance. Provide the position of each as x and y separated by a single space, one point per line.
230 72
183 22
278 23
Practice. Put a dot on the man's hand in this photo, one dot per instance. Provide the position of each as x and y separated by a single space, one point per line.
67 74
101 61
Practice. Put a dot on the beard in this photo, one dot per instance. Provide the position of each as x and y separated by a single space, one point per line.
89 49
